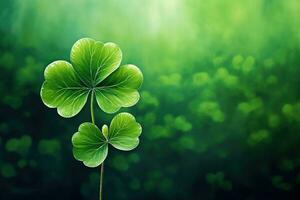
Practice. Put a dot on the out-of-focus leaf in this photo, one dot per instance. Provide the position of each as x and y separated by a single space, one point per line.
19 145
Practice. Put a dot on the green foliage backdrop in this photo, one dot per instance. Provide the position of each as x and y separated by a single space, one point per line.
220 102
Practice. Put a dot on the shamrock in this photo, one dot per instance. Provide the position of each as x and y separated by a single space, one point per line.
94 68
90 145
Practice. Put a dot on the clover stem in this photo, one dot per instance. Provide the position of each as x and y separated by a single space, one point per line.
92 107
101 180
102 165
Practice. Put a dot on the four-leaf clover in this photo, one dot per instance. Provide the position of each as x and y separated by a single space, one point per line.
94 69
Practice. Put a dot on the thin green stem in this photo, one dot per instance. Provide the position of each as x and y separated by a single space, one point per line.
92 107
102 165
101 180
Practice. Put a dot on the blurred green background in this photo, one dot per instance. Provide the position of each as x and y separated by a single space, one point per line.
220 103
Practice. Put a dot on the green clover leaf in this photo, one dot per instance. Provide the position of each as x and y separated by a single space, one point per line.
94 69
124 132
90 145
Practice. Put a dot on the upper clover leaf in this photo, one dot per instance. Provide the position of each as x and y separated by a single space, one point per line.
90 145
94 68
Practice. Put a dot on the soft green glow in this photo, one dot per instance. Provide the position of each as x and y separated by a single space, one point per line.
220 97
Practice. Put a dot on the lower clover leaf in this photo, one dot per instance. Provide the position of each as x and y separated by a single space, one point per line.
124 132
90 145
